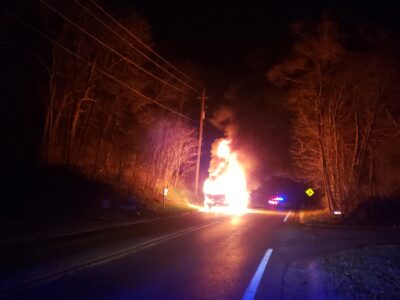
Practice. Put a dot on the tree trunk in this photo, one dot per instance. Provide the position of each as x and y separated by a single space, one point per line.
327 182
371 173
82 136
120 173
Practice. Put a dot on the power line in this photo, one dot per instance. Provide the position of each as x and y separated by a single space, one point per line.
111 49
99 69
132 46
142 43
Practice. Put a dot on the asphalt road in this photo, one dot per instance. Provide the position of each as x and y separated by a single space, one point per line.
208 256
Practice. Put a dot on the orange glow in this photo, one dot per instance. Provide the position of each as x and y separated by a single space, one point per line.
227 181
268 212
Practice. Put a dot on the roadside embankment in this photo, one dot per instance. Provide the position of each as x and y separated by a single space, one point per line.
366 273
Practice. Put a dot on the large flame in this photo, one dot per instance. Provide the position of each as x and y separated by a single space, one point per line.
227 181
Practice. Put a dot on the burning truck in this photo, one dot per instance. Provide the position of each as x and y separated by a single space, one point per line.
226 186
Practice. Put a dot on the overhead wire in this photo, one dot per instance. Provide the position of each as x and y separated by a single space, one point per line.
99 69
142 43
133 47
111 49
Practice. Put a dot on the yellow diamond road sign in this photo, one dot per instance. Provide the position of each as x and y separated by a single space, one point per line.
309 192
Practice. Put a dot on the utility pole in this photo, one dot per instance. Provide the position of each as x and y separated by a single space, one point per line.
202 116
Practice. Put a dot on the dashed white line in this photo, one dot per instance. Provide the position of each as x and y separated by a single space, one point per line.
255 281
287 216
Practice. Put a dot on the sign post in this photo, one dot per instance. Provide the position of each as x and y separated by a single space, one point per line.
165 193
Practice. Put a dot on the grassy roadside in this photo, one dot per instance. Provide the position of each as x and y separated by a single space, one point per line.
58 200
368 273
14 255
318 217
176 202
67 202
171 208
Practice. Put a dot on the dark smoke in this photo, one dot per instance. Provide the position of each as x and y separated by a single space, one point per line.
258 126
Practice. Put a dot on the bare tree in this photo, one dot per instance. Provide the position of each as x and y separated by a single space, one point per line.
99 125
83 106
170 153
342 102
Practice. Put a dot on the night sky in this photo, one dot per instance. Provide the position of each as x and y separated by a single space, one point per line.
235 43
232 36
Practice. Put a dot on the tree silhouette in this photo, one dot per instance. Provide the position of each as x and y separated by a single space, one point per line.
344 103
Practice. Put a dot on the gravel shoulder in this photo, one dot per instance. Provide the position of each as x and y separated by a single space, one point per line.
367 273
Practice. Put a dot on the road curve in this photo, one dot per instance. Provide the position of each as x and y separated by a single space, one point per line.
219 258
213 262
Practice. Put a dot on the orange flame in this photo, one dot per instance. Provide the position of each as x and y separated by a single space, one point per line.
226 186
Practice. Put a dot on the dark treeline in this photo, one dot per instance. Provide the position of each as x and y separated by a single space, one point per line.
335 100
328 115
62 109
343 89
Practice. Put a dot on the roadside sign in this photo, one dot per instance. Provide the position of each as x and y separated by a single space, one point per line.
310 192
165 193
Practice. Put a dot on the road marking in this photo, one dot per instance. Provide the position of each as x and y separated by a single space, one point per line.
86 231
287 216
53 275
255 281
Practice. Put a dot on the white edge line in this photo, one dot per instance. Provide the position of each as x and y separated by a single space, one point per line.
287 216
255 281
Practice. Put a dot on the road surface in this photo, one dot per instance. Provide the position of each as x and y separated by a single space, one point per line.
207 256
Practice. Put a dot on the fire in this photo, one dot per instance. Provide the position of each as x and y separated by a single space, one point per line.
226 186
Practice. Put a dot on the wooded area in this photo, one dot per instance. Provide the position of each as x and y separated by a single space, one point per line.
345 100
98 124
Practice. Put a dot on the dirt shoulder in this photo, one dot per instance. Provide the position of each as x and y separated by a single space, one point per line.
367 273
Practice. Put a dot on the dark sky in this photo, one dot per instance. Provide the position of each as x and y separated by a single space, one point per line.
236 39
221 33
235 42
